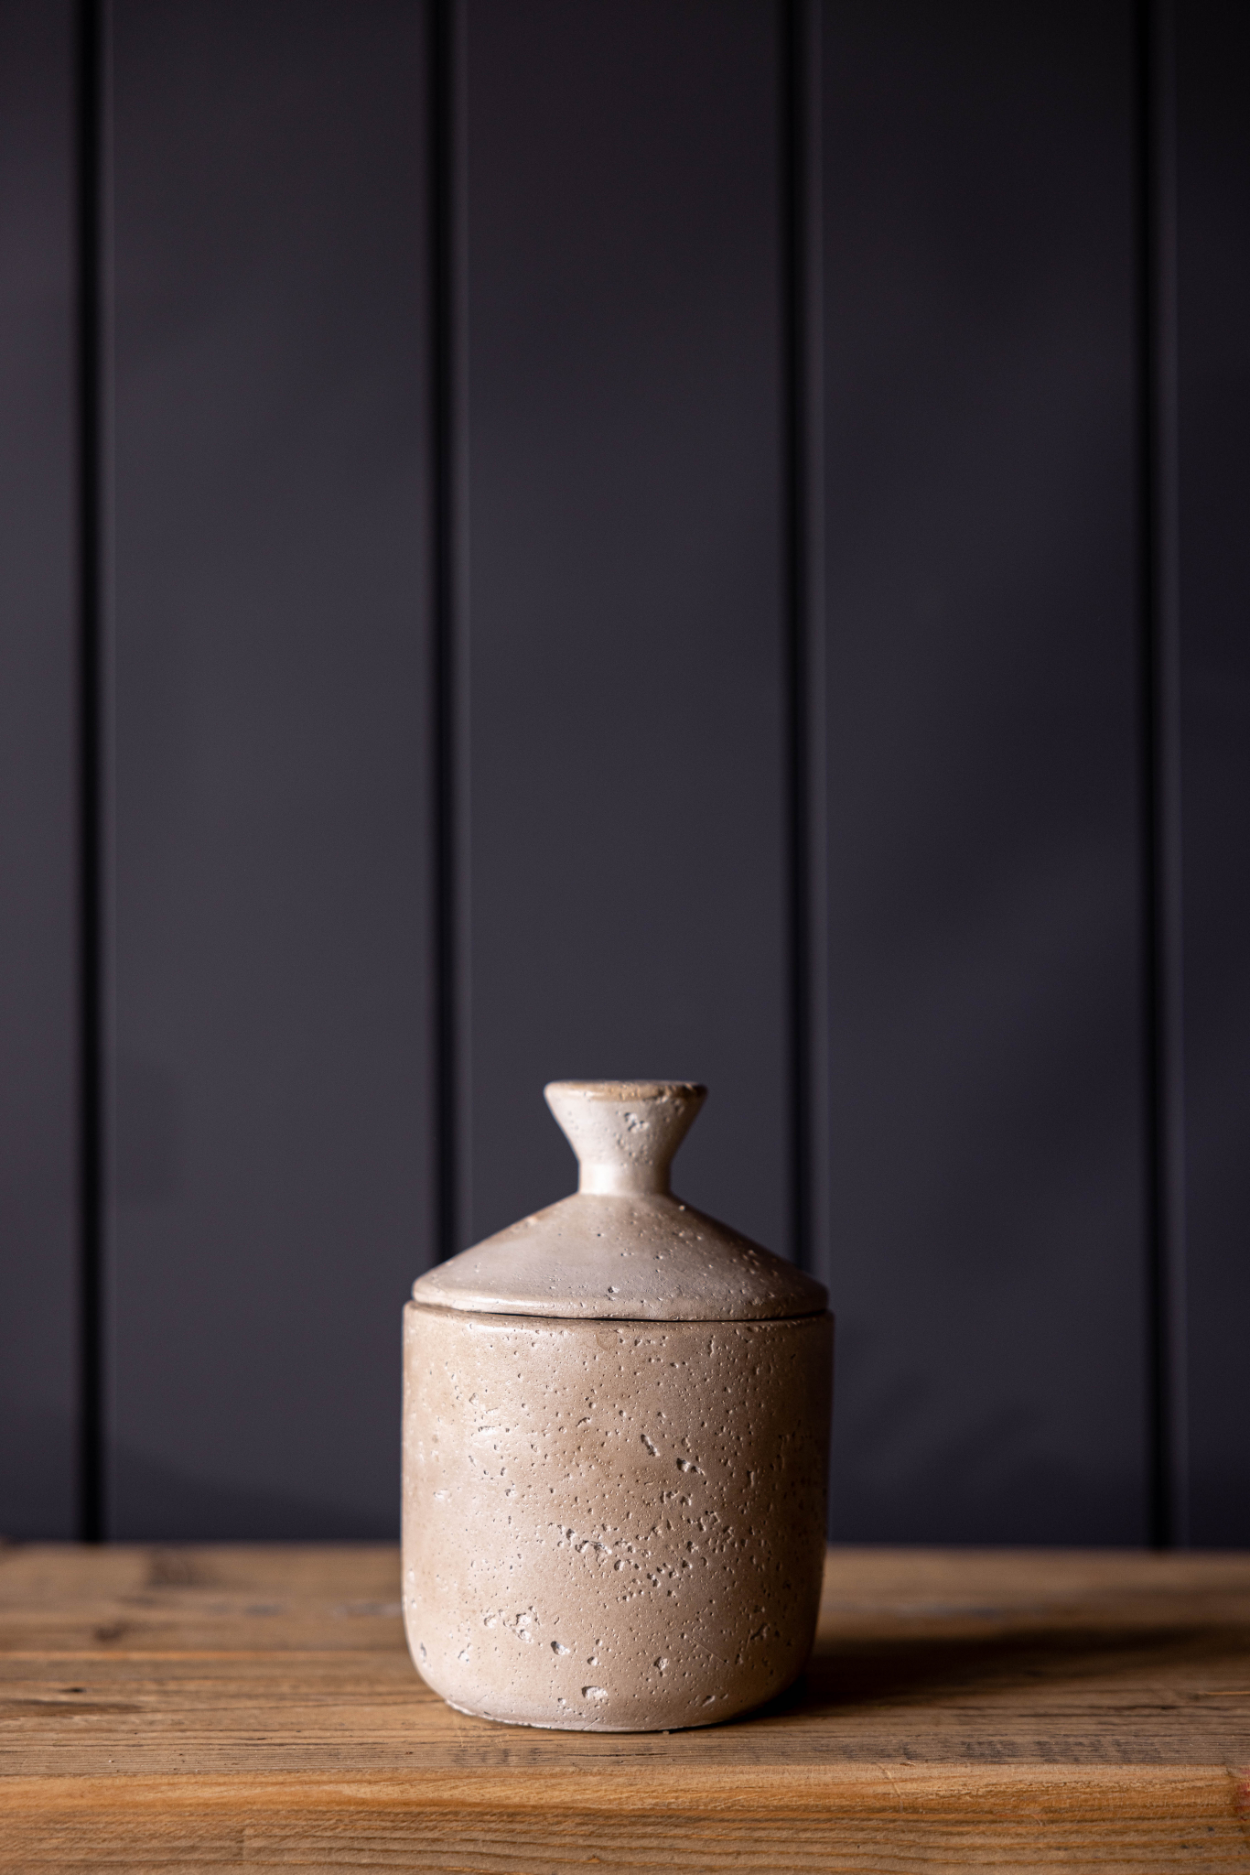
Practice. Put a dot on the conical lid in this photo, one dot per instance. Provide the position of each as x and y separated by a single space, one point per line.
623 1248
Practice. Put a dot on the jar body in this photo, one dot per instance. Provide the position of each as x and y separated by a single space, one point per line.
612 1525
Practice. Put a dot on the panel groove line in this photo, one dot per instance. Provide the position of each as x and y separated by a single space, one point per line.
445 126
92 450
1163 1016
803 494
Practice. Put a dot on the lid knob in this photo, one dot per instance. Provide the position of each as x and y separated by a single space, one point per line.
624 1132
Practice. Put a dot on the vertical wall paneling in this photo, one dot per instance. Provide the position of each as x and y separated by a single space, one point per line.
983 654
271 1179
626 636
695 537
1213 47
38 910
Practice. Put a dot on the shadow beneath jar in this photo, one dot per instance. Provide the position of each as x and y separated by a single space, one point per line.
900 1671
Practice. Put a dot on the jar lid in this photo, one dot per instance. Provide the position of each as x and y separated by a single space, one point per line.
623 1248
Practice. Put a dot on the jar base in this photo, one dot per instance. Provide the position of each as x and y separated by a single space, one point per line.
635 1731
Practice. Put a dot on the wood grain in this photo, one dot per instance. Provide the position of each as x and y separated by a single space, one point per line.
246 1708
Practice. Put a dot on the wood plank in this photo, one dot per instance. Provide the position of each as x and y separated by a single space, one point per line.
250 1707
874 1820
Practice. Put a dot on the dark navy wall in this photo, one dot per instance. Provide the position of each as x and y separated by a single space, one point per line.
39 1292
266 674
624 796
1213 185
624 552
983 646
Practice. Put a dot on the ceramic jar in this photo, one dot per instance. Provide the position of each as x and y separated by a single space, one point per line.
616 1419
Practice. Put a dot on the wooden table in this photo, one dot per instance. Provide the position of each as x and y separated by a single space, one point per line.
244 1708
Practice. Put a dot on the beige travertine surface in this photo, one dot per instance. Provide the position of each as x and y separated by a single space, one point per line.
642 1257
612 1526
616 1428
623 1247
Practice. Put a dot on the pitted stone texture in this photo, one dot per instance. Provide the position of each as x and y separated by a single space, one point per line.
622 1248
612 1526
615 1434
643 1257
624 1133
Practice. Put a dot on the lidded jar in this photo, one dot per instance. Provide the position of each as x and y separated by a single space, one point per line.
616 1429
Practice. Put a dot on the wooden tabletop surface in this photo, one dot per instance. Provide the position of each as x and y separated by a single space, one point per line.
248 1708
